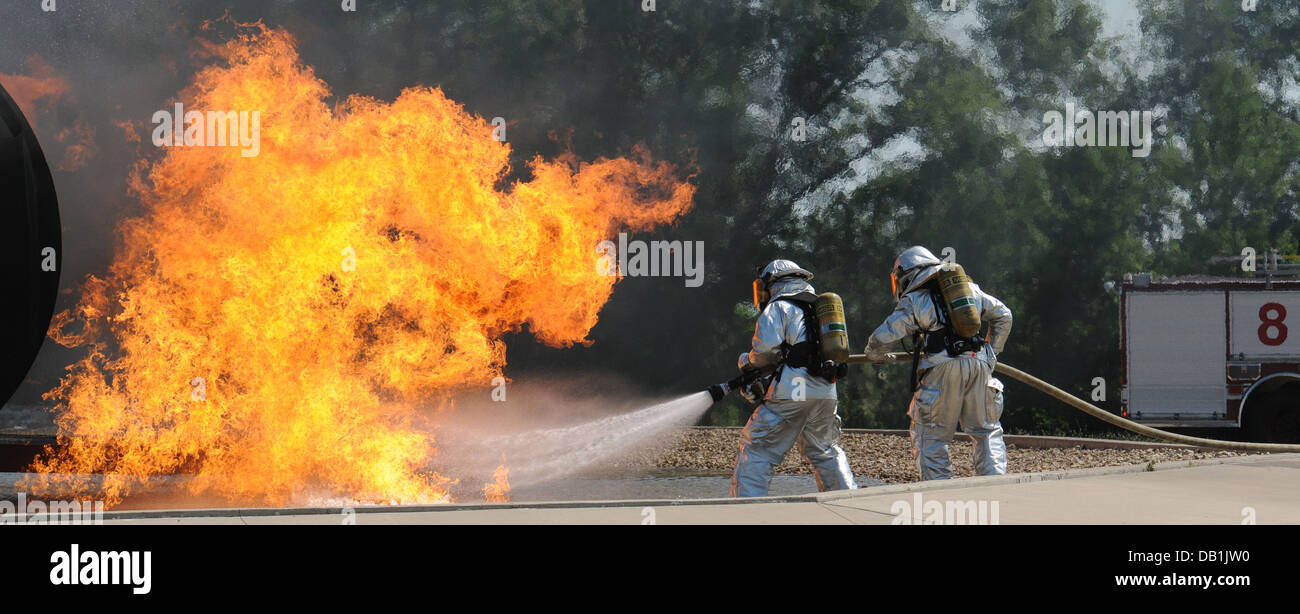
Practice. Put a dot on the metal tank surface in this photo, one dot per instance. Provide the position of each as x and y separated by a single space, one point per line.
30 246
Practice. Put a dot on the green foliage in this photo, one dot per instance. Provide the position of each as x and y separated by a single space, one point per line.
1041 228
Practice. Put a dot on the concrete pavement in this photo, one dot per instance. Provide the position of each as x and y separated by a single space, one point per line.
1262 488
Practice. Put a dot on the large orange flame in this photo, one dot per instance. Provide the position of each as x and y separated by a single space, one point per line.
271 324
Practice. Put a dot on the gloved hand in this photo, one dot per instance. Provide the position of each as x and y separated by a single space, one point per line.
743 363
756 391
876 353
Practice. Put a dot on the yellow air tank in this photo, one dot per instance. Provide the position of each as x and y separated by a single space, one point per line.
960 297
834 332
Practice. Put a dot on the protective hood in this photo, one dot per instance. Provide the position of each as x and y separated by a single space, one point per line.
793 287
915 266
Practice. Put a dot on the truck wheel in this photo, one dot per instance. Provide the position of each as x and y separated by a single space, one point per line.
1277 417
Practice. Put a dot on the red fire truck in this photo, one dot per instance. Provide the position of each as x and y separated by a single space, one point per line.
1213 352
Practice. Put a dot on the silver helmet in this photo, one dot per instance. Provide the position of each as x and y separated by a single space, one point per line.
777 269
915 266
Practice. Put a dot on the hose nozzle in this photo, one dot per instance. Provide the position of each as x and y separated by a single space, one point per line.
717 391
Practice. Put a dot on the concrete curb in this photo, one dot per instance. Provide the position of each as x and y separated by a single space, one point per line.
1015 478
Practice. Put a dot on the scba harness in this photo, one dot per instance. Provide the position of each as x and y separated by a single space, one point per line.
942 339
808 354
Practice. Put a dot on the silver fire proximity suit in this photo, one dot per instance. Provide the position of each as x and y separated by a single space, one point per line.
798 408
951 390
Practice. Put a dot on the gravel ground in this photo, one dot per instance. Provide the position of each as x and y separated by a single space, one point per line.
889 458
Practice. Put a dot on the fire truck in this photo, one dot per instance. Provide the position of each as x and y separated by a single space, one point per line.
1202 351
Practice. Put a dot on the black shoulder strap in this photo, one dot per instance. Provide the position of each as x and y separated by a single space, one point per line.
916 359
809 318
930 341
941 309
807 353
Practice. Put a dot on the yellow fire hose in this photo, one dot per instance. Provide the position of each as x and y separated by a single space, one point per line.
1104 415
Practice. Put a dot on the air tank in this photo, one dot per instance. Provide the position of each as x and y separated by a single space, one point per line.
960 299
834 332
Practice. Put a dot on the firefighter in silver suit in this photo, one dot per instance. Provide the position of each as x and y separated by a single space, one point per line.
951 389
798 408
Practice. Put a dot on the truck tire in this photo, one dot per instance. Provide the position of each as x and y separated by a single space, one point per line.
1276 417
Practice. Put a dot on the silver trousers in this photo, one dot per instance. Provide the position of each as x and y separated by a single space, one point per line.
962 390
777 425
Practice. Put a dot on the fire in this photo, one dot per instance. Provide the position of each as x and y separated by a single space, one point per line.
37 95
37 91
498 490
274 325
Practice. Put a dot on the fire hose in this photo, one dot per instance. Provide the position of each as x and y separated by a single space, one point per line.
1104 415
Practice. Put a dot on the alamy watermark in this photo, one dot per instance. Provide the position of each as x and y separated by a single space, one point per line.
637 258
96 568
181 128
1084 128
37 511
919 511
